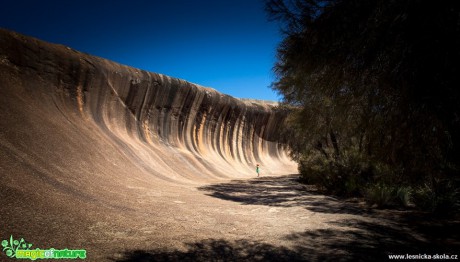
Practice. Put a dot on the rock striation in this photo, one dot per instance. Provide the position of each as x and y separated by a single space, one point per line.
65 110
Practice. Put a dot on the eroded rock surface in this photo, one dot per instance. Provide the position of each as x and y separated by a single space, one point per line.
94 153
173 129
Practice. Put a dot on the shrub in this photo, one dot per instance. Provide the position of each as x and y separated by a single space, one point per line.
441 197
379 194
425 198
344 176
403 196
386 195
353 174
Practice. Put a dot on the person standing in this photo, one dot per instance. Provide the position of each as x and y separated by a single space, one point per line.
257 170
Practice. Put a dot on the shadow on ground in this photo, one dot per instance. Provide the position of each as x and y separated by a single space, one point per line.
217 250
367 236
350 240
283 191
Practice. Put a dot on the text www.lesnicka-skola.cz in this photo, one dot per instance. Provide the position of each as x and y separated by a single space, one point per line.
423 256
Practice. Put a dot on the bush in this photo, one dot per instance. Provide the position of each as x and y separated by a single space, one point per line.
352 174
442 198
404 196
385 195
344 176
425 198
380 195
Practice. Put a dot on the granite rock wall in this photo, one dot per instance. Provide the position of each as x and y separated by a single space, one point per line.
164 126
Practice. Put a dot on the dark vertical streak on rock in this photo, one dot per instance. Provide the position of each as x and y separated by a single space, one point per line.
155 109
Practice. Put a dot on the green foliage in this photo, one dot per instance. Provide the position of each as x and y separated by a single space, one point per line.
373 88
354 174
388 195
425 198
442 197
404 196
380 194
343 175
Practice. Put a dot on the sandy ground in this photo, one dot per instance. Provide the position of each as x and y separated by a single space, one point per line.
276 218
259 219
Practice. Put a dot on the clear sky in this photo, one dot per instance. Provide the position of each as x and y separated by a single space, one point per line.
228 45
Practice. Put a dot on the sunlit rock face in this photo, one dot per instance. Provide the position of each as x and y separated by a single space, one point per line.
69 116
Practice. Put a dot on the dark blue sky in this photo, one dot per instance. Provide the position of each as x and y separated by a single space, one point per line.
228 45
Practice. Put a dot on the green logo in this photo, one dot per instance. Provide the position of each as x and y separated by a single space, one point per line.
10 247
20 249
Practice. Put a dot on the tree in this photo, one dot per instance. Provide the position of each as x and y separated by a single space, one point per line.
375 81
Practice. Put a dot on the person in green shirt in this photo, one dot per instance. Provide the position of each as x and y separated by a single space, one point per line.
257 170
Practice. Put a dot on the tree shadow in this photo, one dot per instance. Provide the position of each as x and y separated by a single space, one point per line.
369 237
217 250
439 232
283 191
348 240
358 240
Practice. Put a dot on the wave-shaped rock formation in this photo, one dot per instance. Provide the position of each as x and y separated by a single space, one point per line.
68 114
101 156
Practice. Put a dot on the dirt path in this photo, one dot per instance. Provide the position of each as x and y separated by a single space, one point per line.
275 219
260 219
